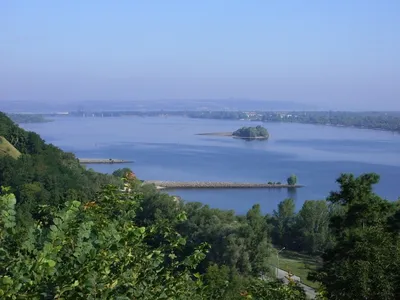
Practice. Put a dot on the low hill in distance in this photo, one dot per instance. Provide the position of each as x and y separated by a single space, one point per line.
7 149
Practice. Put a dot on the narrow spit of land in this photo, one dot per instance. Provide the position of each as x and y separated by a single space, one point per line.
230 134
216 133
103 161
214 185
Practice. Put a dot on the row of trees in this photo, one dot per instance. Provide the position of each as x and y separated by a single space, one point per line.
305 231
372 120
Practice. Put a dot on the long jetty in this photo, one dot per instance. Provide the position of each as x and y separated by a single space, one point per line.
103 161
215 185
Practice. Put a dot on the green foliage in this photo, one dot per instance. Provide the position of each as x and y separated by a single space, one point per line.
98 250
43 173
261 289
292 180
225 284
242 244
122 172
283 222
312 225
251 132
94 250
363 263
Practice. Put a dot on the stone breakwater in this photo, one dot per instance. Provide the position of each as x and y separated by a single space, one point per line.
103 161
214 185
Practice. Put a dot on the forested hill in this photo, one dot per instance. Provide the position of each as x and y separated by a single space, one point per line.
44 173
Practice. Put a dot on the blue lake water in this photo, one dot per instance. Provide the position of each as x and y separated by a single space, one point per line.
169 149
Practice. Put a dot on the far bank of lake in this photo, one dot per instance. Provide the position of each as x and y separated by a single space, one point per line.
170 149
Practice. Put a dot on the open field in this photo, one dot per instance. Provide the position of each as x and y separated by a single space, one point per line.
7 149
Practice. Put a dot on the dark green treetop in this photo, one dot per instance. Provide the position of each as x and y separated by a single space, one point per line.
251 132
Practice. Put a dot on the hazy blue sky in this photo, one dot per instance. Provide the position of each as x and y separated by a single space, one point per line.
336 53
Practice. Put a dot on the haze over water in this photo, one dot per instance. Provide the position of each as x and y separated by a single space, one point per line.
169 149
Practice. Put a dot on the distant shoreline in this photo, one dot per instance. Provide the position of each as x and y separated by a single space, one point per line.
86 161
230 134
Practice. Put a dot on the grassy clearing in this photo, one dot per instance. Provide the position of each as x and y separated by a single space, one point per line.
297 263
7 149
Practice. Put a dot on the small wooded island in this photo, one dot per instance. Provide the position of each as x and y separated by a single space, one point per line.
258 132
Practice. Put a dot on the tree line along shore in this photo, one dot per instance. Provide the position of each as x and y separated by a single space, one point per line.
388 121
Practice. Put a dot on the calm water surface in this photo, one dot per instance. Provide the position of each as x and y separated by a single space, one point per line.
168 149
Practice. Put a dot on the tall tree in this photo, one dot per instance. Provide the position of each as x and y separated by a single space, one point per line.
283 220
259 240
93 251
292 180
364 262
312 223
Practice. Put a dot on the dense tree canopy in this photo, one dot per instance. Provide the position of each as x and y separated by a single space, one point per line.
44 173
292 180
251 132
364 261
